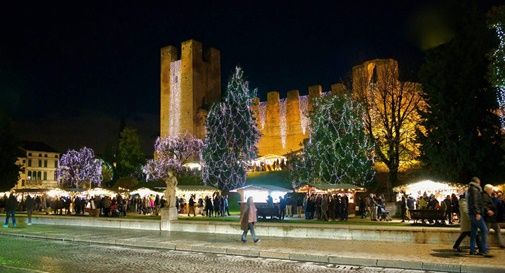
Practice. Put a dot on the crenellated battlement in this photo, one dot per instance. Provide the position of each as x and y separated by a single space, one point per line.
283 122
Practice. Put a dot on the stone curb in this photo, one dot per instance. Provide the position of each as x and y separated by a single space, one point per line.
301 257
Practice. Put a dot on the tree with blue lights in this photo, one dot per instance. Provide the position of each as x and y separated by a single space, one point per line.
232 134
339 150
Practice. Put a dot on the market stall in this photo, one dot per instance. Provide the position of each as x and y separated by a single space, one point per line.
347 189
429 187
260 193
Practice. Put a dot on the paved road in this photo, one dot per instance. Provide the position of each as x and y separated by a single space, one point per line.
33 255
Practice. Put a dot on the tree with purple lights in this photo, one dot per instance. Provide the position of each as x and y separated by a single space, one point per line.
170 155
79 169
232 134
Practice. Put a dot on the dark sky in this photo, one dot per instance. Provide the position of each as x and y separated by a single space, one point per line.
68 72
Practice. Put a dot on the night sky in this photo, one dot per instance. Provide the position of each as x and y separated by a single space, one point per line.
69 72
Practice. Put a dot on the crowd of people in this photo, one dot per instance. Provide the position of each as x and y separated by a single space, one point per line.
326 207
276 165
216 205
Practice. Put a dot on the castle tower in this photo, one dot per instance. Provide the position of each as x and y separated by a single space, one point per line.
187 87
373 72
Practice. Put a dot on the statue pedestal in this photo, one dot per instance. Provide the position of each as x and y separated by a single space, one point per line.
168 214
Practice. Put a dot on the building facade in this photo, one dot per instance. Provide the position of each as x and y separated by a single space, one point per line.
38 162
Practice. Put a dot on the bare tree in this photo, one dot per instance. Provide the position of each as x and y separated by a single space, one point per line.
391 116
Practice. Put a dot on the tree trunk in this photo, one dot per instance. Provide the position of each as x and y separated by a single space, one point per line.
392 179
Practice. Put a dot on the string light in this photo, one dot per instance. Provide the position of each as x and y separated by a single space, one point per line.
175 99
78 169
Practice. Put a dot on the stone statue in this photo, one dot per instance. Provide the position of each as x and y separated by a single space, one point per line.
171 182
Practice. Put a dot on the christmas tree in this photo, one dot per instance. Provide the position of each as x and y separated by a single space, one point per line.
232 134
338 151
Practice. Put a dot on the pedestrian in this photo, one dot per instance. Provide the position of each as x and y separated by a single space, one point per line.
248 219
289 207
282 208
29 203
191 207
475 211
226 205
10 210
403 206
491 212
464 224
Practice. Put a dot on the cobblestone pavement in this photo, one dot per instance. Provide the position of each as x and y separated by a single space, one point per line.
34 255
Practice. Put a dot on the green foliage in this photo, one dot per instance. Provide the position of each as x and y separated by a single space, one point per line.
126 183
462 137
107 173
339 151
231 137
9 170
130 157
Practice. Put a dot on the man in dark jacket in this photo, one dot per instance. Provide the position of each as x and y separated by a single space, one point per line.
10 210
475 212
491 212
29 203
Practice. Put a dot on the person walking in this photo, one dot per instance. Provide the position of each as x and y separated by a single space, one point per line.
491 212
191 206
29 204
475 211
248 219
10 210
226 205
282 208
464 224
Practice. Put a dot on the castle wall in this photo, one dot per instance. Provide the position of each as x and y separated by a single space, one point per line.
190 85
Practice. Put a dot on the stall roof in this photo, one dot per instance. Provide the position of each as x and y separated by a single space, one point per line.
262 187
326 187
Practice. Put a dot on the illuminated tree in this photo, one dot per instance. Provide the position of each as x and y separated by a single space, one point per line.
232 134
391 117
497 66
338 151
79 169
170 154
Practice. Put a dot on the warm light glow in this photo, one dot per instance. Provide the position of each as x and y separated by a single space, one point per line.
304 108
57 192
193 166
143 192
439 189
99 191
260 196
283 123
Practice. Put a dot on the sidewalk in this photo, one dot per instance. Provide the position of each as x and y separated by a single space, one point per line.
396 255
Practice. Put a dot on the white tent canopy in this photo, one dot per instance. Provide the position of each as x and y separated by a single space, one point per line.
99 191
439 189
145 192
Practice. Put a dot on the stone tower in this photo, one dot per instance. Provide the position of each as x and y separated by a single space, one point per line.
188 85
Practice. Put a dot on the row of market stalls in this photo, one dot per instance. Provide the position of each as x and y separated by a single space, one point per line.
182 190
